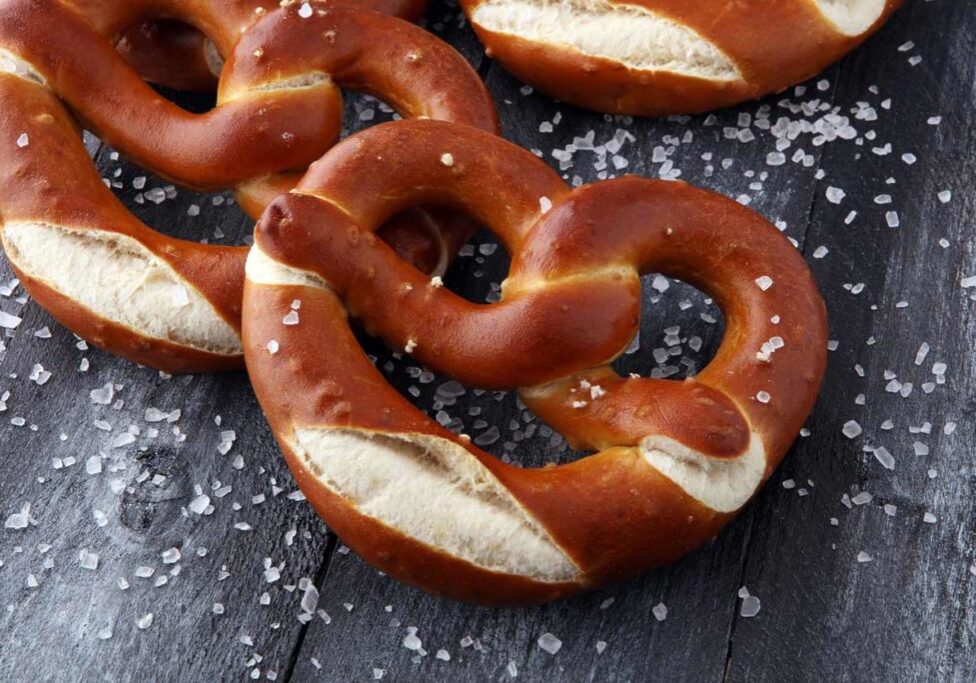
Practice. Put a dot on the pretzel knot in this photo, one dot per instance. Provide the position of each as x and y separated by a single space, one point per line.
675 460
165 302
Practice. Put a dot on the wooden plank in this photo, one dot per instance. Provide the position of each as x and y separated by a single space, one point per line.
129 518
823 614
909 613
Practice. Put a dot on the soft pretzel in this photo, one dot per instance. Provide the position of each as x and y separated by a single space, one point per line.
658 57
175 54
675 460
169 303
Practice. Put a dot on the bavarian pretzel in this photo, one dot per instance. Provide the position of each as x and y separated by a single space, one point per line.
175 54
675 460
169 303
658 57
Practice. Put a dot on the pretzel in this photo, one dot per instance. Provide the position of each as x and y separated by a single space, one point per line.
163 302
176 55
675 460
659 57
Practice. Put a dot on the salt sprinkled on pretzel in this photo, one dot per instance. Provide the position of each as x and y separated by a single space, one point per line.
674 461
169 303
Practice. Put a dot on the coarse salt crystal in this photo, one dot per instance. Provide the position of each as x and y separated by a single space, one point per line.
8 321
104 395
88 560
750 606
851 429
660 611
411 641
199 504
19 520
882 455
550 643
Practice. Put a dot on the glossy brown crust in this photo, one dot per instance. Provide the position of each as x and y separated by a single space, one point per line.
574 288
774 46
252 133
175 54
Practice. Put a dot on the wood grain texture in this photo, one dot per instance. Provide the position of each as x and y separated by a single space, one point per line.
908 614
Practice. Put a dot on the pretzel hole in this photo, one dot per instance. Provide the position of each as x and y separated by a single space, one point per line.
209 218
173 55
362 110
681 330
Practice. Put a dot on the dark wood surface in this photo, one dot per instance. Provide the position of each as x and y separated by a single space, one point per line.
907 614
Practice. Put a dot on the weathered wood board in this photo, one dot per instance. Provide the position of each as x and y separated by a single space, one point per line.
862 572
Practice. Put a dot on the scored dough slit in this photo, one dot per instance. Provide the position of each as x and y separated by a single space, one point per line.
466 512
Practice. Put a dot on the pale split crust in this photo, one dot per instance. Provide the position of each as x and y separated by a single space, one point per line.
658 57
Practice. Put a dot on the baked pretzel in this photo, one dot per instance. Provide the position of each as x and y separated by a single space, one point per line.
658 57
164 302
676 459
176 55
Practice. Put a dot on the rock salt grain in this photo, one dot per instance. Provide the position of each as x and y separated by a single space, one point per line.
835 195
550 643
411 641
750 606
88 560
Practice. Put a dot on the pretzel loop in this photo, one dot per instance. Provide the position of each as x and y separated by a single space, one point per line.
278 109
676 459
173 53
